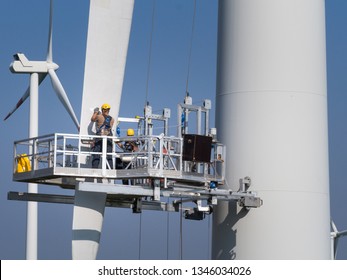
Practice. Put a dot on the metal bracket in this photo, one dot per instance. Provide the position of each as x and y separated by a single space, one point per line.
137 207
250 202
156 190
144 197
194 214
245 183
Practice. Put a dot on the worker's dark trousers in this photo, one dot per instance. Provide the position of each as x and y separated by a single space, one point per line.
98 149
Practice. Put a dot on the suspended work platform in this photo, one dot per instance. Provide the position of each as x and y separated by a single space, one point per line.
65 159
156 169
188 168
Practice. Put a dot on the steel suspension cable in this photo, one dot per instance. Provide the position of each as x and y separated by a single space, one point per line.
150 52
181 230
187 83
191 47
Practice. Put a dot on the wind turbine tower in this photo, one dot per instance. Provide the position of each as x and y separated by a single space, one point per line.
272 115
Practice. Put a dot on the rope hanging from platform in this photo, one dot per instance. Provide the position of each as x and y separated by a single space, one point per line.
181 230
209 228
140 236
167 230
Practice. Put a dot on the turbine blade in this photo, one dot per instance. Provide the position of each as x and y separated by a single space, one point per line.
19 103
49 48
59 90
333 226
104 69
87 223
342 233
335 247
24 97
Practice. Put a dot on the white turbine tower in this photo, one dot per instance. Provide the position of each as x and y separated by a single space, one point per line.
271 113
38 70
335 235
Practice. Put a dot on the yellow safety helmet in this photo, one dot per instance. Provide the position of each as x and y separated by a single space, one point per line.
105 106
130 132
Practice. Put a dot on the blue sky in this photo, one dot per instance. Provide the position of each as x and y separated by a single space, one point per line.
24 28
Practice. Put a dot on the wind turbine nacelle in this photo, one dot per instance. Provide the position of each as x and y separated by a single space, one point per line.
22 65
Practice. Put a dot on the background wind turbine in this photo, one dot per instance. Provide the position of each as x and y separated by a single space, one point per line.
335 235
38 70
42 68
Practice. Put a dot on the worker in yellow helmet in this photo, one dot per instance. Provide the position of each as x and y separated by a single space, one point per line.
104 124
130 132
129 146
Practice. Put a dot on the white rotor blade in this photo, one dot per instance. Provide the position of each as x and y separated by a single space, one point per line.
107 46
88 218
335 247
336 239
333 226
337 235
49 48
342 233
24 97
59 90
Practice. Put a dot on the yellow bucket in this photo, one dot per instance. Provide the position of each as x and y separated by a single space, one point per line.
23 163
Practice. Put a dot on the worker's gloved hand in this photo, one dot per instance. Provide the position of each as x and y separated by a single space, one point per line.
96 110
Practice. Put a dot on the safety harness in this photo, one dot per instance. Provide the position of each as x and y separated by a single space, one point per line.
105 128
